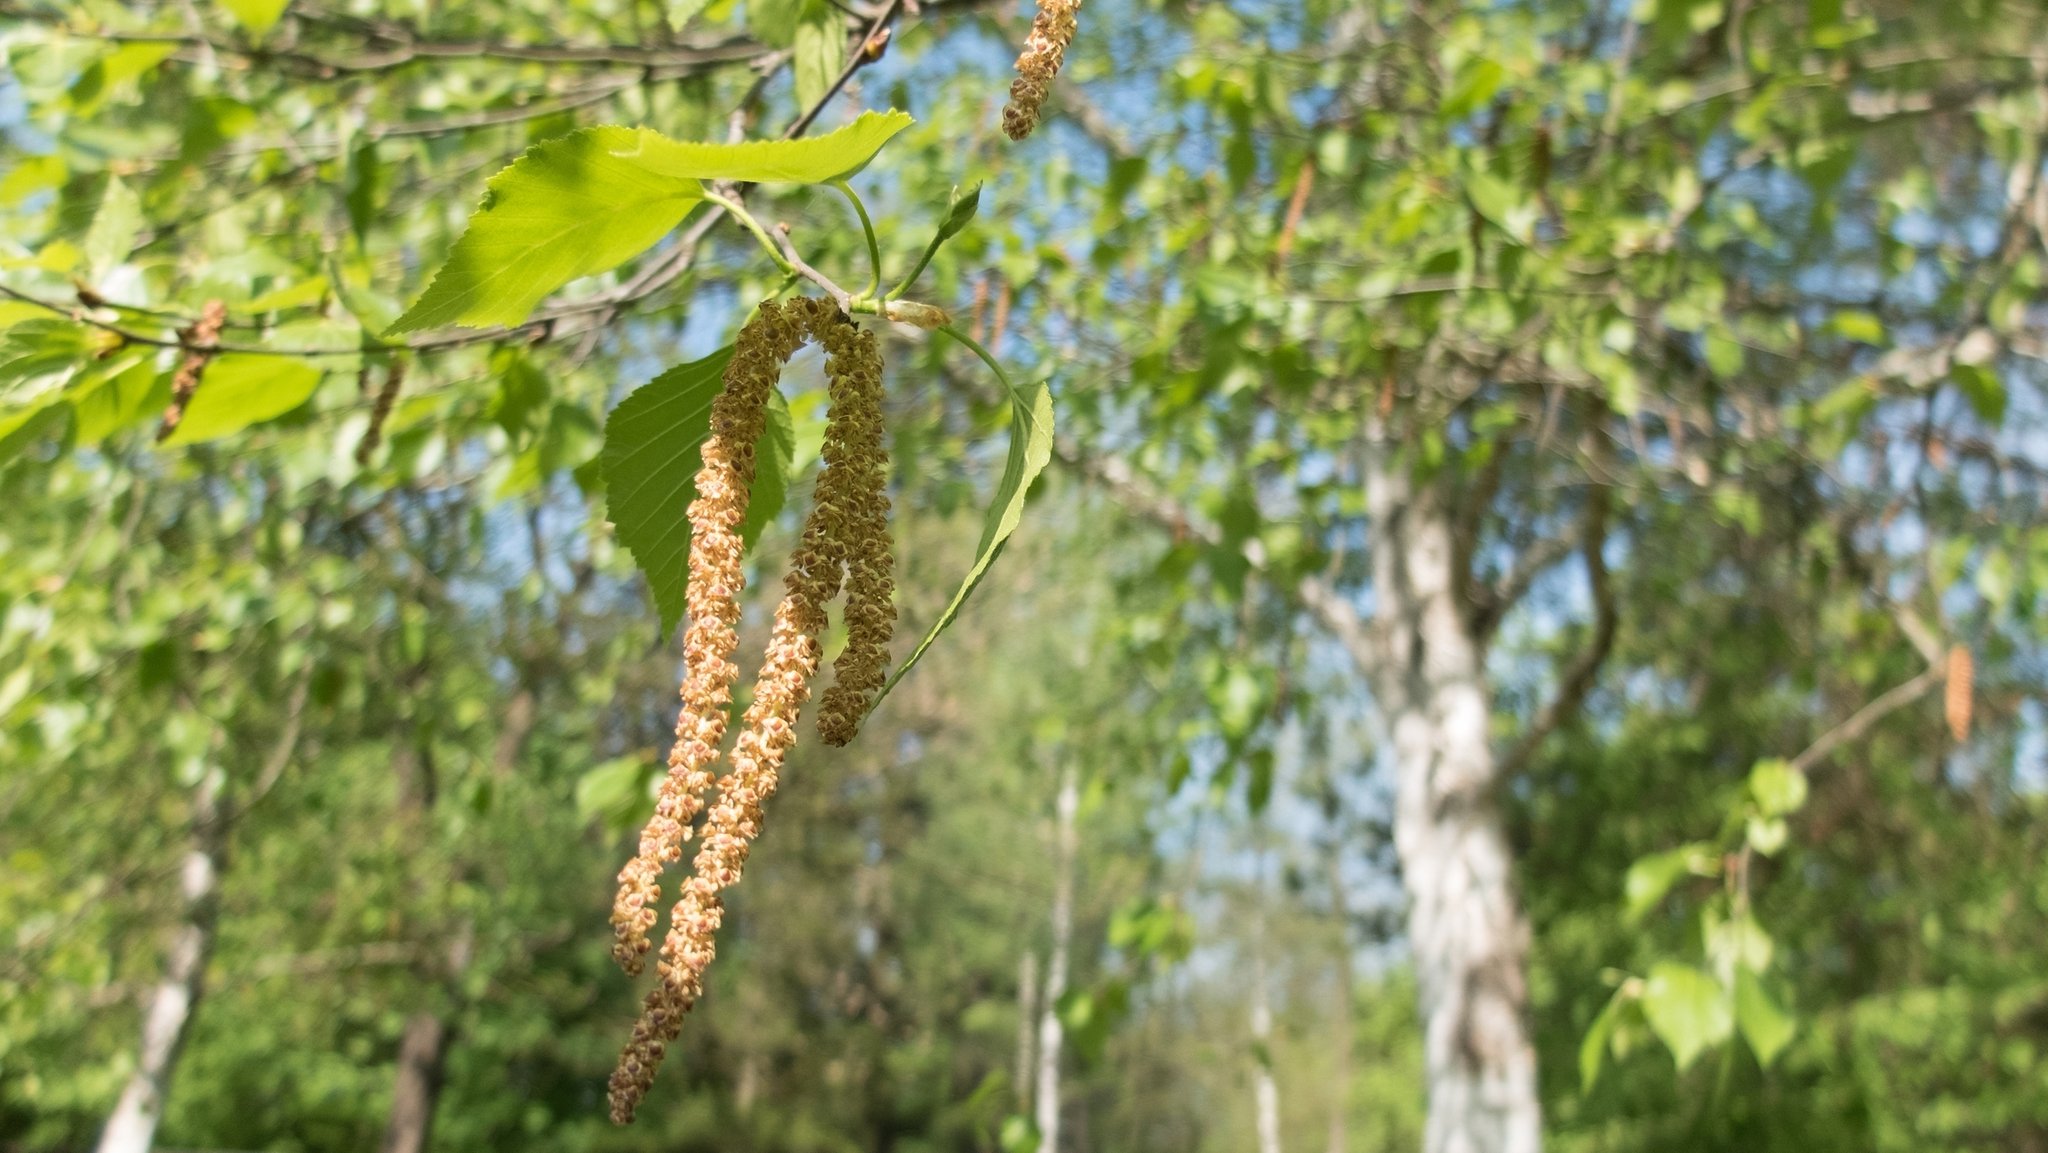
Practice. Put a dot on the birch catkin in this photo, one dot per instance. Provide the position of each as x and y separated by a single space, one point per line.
712 602
859 467
1044 51
818 567
1960 693
198 341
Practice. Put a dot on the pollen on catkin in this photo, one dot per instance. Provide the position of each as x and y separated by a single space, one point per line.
197 340
859 466
817 568
1960 693
1044 50
716 579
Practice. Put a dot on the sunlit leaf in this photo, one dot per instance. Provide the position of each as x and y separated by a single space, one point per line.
573 206
1766 1027
1687 1009
241 389
258 16
653 447
810 160
819 51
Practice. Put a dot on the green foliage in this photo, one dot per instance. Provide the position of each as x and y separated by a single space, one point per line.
653 447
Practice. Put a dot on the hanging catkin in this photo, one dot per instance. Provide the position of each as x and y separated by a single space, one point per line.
863 665
198 341
817 568
716 579
1960 692
1044 50
380 411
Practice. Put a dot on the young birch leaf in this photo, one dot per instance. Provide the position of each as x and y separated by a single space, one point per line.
238 390
811 160
572 206
1593 1049
653 447
1687 1009
1030 451
1766 1027
681 12
819 52
114 227
258 16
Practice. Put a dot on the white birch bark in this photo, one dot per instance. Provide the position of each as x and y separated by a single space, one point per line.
1050 1033
132 1126
1465 924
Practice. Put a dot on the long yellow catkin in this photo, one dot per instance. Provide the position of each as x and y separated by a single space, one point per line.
1961 692
712 602
1044 51
817 568
863 665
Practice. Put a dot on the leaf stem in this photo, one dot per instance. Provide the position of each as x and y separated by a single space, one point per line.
867 226
987 358
738 211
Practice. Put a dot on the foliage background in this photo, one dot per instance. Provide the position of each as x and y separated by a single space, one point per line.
1755 245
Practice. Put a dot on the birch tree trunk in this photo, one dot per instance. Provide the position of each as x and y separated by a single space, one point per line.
1027 1026
1465 924
1341 1039
1265 1090
1050 1033
132 1127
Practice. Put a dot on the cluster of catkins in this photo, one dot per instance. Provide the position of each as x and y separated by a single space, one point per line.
1044 51
844 544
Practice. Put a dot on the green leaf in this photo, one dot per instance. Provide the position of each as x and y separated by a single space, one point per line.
1501 203
1982 387
812 160
1766 834
258 16
1777 786
1650 878
25 425
1766 1027
1030 452
241 389
1593 1049
1687 1009
616 792
570 207
114 227
107 406
819 52
653 446
773 457
681 12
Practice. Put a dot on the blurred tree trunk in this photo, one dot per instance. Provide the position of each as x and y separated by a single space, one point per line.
1050 1033
1341 1032
1265 1090
1465 924
1027 1025
420 1053
132 1128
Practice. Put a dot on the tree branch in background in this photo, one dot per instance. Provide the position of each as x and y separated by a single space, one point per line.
1578 679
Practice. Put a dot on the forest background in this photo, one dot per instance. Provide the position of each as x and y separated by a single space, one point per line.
1527 631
